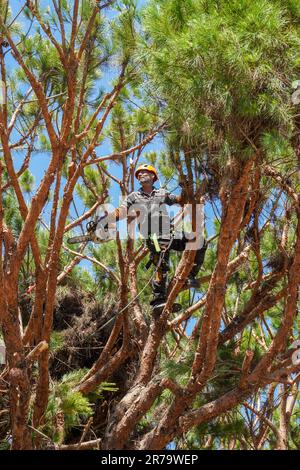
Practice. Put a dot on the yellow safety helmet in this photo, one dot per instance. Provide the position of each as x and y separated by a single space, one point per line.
148 168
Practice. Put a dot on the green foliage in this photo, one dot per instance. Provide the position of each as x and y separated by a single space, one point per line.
294 443
275 144
43 238
56 341
74 407
231 426
101 389
106 254
227 370
27 181
4 445
229 68
178 370
129 123
81 278
42 58
123 31
12 216
44 143
92 186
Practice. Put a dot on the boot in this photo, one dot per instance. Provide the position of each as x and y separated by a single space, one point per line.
159 304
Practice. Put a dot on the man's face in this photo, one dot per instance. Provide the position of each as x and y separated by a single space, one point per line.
145 177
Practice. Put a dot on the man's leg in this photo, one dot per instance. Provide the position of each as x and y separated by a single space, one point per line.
159 282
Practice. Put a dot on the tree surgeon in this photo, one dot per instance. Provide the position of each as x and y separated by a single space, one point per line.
148 207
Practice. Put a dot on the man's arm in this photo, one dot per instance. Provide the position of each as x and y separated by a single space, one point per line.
119 213
172 199
116 215
109 218
105 220
182 199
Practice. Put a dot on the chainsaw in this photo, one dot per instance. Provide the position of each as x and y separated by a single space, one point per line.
97 233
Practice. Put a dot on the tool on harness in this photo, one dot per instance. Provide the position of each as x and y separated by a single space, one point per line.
154 239
153 242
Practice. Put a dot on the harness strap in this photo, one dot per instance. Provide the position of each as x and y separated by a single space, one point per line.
155 242
153 238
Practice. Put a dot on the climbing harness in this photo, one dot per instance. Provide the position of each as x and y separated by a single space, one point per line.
153 241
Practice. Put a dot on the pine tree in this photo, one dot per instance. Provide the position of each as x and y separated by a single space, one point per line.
213 88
